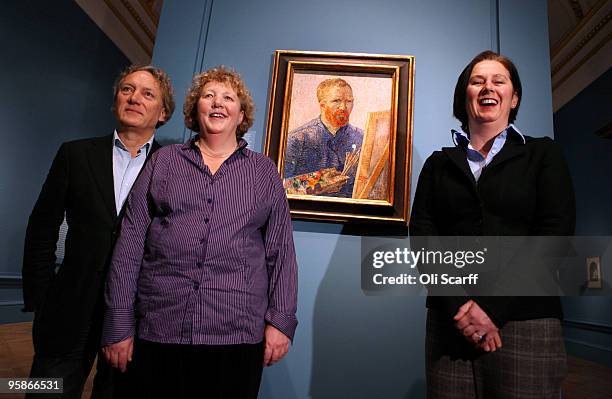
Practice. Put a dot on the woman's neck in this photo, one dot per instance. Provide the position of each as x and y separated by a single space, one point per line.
217 144
482 136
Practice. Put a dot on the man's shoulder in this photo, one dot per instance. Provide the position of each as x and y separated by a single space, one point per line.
88 141
350 134
354 129
308 129
354 132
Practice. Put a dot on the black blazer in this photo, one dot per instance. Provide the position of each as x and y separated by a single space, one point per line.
525 191
79 185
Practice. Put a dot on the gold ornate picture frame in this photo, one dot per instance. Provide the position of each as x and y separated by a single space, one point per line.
340 131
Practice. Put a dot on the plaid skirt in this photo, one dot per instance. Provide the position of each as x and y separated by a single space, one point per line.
530 365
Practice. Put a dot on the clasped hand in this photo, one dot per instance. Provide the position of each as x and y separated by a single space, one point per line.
477 327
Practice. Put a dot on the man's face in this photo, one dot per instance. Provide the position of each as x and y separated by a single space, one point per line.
138 104
337 105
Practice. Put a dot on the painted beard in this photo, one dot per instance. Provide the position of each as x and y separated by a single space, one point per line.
338 118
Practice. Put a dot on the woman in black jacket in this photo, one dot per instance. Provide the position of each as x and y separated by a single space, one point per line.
494 182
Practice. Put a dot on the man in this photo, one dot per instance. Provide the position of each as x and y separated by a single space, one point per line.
325 141
88 182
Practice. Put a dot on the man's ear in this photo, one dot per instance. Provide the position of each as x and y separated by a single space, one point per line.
162 115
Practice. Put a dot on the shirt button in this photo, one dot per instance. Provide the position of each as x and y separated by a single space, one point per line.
202 240
206 220
196 286
199 265
165 222
209 200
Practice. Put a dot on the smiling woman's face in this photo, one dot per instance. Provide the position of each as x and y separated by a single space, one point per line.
490 95
219 110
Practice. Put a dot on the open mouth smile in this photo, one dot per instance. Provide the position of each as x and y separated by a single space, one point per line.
487 101
217 115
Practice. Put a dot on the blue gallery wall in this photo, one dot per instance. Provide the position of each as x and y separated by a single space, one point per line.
588 155
589 329
57 73
349 344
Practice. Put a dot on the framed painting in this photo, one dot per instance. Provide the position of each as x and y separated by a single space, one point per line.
593 265
340 131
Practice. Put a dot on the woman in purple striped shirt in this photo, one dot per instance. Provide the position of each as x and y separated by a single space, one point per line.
202 288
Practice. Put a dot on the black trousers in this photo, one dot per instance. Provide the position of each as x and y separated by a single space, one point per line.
196 371
74 368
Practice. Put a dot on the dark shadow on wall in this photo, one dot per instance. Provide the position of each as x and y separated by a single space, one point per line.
57 74
588 156
589 160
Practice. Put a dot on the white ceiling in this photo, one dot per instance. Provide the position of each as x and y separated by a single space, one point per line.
580 36
130 24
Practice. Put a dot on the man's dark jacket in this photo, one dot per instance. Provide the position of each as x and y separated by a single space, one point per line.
526 190
67 303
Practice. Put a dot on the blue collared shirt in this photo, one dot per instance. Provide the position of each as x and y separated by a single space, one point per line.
475 159
126 168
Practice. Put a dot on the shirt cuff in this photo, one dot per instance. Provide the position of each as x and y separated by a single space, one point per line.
119 324
283 322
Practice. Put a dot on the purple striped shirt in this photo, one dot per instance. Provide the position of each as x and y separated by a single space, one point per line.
202 258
